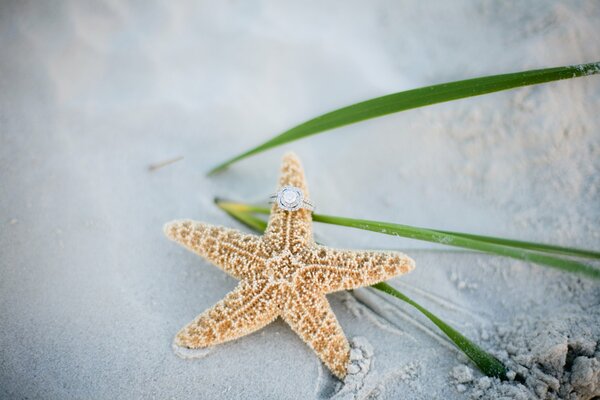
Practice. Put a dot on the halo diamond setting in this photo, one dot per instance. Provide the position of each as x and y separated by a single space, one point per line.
290 198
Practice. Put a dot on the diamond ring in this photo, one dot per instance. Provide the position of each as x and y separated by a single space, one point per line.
291 198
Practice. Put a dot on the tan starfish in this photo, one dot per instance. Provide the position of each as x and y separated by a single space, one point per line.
283 273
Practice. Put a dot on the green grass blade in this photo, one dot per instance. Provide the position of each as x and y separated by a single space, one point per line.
464 242
236 207
486 363
498 246
414 98
541 247
244 217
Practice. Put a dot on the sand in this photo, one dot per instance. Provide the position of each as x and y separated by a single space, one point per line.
91 94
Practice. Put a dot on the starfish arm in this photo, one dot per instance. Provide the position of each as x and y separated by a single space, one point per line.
236 253
310 316
244 310
290 230
332 270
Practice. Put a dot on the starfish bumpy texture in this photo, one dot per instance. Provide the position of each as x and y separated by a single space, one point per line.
283 273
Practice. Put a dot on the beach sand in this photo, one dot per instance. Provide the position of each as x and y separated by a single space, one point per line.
92 94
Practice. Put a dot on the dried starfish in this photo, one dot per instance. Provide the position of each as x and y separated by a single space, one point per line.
283 273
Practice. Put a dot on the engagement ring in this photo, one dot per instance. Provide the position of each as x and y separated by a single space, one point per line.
291 198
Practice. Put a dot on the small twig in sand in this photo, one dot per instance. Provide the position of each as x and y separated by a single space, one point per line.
154 167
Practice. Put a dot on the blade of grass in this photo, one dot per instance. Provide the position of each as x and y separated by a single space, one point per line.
467 243
541 247
414 98
534 253
487 363
244 217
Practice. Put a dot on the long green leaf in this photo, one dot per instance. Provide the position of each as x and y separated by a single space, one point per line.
534 253
541 247
487 363
239 214
414 98
464 242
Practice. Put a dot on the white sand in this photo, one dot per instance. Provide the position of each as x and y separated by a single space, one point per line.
91 293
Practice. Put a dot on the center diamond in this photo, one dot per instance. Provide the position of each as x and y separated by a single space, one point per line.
290 198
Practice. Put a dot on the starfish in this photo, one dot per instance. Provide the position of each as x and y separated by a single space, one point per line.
283 273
